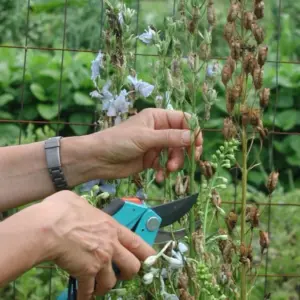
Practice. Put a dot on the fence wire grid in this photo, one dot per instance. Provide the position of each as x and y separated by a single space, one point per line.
137 4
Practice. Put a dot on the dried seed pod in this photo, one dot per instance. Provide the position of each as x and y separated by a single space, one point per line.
264 240
230 101
226 74
249 63
181 185
207 169
205 88
229 30
233 12
235 49
231 62
258 77
228 252
183 281
197 238
229 129
248 20
254 116
264 96
185 295
258 33
262 55
259 10
205 50
272 181
231 220
252 216
211 13
216 199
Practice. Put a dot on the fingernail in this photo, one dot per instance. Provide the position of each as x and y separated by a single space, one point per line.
186 137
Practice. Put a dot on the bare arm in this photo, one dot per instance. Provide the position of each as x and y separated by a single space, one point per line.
24 176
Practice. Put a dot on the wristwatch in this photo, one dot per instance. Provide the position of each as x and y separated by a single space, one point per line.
52 151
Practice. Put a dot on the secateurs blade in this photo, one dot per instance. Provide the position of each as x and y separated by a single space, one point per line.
145 221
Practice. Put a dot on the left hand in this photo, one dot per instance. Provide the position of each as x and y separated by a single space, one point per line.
135 144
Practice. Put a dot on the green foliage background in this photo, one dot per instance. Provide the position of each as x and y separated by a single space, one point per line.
42 94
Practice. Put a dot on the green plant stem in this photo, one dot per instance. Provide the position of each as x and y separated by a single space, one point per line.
243 212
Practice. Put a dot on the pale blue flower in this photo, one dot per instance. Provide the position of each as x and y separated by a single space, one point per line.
95 94
120 18
148 36
119 105
144 88
107 97
96 64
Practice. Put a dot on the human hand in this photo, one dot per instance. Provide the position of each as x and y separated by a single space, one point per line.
135 144
86 240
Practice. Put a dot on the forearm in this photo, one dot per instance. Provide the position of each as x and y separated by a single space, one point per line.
25 242
24 176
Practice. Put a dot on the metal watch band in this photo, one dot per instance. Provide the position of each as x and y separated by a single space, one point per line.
52 150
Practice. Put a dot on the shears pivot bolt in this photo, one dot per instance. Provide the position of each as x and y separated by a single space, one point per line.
153 224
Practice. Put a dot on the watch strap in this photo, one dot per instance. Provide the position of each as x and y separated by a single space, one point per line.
52 151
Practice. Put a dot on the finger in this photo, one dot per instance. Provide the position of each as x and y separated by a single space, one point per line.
169 119
127 263
105 280
151 158
134 243
86 287
176 159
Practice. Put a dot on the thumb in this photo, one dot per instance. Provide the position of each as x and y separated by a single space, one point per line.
86 288
169 138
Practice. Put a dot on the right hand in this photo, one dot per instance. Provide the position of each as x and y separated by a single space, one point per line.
86 241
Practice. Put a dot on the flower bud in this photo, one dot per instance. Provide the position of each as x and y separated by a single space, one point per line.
150 260
262 55
211 14
272 181
264 97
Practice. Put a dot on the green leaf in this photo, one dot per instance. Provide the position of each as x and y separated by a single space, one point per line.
287 119
81 118
295 143
8 134
38 91
6 115
83 99
293 159
47 111
286 98
5 98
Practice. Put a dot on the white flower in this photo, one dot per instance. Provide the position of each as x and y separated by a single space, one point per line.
96 64
120 18
150 260
147 36
182 247
144 88
148 278
174 263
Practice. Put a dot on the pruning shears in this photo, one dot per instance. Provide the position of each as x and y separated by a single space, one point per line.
145 221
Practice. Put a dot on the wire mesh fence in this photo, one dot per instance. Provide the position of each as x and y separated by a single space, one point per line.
64 51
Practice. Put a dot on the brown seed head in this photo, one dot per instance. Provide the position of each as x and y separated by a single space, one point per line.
216 199
259 10
258 33
185 295
229 129
248 20
252 216
230 100
183 281
262 55
249 63
235 49
231 62
233 12
272 181
207 169
231 220
229 30
257 76
226 74
264 240
264 96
